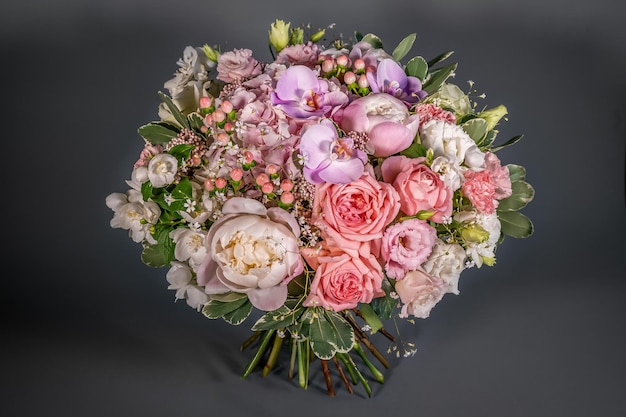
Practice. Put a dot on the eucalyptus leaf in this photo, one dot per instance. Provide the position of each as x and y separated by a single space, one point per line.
238 316
157 134
515 224
509 142
403 47
522 194
417 67
437 78
516 172
215 309
476 129
178 116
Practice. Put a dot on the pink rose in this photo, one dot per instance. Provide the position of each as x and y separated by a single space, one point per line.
355 212
419 187
384 118
419 293
237 64
406 246
342 279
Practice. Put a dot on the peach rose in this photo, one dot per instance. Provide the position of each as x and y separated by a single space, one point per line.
355 212
419 187
345 278
419 293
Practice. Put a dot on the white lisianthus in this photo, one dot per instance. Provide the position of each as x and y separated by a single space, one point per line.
451 140
446 261
189 246
252 250
483 252
162 170
134 214
180 279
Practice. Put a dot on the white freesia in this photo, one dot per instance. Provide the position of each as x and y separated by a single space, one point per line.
451 140
180 279
162 170
446 261
189 246
252 250
134 214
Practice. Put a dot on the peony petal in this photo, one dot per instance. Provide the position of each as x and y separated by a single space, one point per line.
237 205
268 299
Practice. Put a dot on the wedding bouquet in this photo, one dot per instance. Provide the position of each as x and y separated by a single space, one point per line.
332 189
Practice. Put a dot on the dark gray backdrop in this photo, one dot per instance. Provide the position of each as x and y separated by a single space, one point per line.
89 330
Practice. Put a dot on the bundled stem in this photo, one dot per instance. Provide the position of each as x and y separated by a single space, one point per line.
342 374
259 353
363 338
329 382
271 361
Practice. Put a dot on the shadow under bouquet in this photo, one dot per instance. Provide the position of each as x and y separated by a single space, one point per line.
332 189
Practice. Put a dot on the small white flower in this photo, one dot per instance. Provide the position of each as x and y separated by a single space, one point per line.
189 246
162 170
180 279
134 214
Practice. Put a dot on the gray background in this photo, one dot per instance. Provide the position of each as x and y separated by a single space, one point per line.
89 330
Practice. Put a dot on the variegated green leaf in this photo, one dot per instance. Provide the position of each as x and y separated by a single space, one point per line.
438 77
322 336
215 309
417 67
522 194
182 120
476 129
343 331
509 142
157 133
515 224
370 317
281 317
403 47
516 172
237 316
373 40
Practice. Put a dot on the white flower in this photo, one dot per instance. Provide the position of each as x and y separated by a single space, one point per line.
189 246
180 278
484 251
162 170
451 140
446 261
448 170
252 250
138 177
134 214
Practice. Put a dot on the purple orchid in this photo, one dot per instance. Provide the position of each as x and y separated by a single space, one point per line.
303 95
390 78
329 158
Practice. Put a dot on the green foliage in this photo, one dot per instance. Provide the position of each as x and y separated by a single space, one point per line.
515 224
417 67
383 306
509 142
370 316
439 58
476 129
437 77
403 47
234 309
162 253
279 318
516 172
178 116
373 40
329 333
522 194
158 133
415 150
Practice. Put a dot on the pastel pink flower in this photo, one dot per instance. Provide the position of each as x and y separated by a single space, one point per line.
355 212
301 54
419 293
419 187
237 64
406 245
429 111
479 188
344 279
499 176
384 118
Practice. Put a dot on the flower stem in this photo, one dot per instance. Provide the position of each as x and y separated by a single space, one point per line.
271 361
329 382
354 372
303 363
259 353
363 338
378 376
251 340
343 375
294 355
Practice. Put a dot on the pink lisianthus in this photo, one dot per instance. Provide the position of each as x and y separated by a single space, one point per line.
237 64
302 94
419 293
499 176
344 279
348 214
385 120
419 187
328 158
406 245
301 54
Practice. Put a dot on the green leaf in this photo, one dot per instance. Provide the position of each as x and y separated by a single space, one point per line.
487 140
417 67
403 47
182 191
195 121
161 253
146 190
515 224
323 338
439 58
414 151
215 309
509 142
373 40
178 116
522 194
343 331
516 172
181 152
438 77
237 316
371 317
281 317
157 134
229 297
476 129
383 306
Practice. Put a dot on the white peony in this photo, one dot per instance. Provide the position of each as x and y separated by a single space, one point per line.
134 214
180 279
252 250
451 140
446 261
162 170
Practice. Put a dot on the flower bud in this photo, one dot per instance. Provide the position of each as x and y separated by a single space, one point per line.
210 53
296 37
492 116
474 233
279 34
318 35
